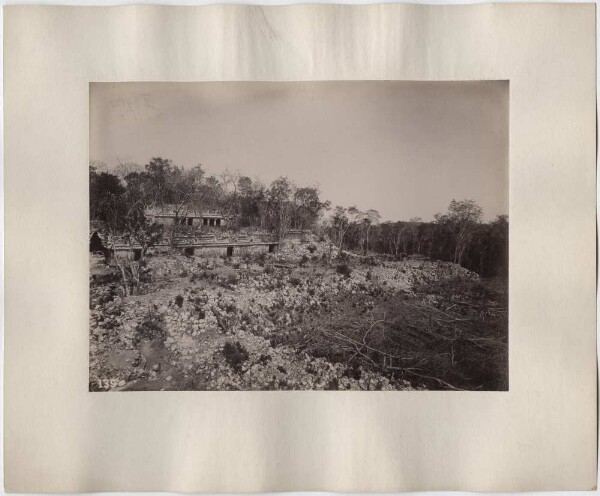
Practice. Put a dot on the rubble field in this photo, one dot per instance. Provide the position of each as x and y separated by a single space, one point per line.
304 318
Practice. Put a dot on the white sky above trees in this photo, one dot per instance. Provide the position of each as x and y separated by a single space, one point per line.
405 149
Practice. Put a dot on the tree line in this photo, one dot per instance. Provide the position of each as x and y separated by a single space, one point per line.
458 235
120 199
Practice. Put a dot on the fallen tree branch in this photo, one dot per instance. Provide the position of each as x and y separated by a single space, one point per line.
439 381
283 266
220 321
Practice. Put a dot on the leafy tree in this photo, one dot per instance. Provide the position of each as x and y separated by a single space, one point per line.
307 207
363 222
278 197
103 187
462 220
340 224
121 210
158 173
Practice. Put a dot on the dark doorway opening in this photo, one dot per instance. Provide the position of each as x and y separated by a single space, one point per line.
271 248
96 244
230 251
137 254
188 252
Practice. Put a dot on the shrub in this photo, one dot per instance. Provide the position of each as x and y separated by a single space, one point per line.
230 307
377 290
303 260
179 301
295 281
235 355
229 281
264 359
343 256
145 272
344 269
151 328
333 384
311 248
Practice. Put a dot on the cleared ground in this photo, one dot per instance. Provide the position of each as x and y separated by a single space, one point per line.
304 318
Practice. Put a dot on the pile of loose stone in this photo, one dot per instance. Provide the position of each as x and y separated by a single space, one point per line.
406 274
284 368
200 314
296 252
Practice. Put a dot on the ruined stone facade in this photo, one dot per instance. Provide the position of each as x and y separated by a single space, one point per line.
169 215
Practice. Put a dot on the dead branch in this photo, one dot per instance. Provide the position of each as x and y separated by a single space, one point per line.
220 321
439 381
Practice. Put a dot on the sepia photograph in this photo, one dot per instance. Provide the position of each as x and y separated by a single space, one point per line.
333 248
268 236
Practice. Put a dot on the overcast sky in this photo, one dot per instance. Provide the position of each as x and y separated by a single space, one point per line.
405 149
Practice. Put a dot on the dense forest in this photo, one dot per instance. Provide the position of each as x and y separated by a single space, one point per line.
458 236
120 197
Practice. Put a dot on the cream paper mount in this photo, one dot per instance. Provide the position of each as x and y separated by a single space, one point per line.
540 435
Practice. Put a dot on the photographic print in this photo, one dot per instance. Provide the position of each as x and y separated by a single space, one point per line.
299 236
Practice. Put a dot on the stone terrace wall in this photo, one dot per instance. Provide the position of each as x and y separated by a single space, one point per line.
229 249
212 250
